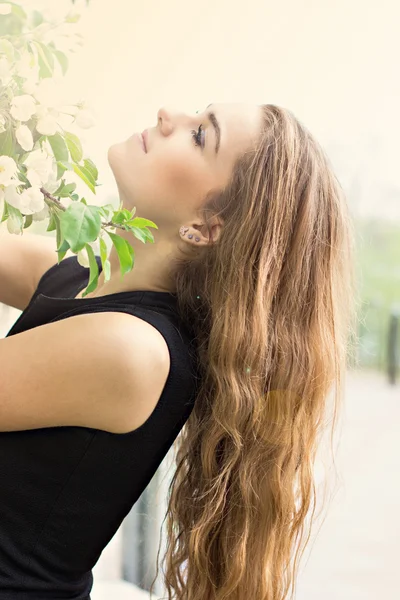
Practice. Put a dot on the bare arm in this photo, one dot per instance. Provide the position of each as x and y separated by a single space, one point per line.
100 370
23 260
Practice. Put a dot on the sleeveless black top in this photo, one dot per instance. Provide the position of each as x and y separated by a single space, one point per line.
64 491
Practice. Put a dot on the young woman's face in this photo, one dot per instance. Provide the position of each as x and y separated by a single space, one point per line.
169 182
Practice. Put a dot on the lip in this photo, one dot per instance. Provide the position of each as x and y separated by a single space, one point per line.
145 139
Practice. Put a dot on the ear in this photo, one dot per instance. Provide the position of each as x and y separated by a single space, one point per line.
216 224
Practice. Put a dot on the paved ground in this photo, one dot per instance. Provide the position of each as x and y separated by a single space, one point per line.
356 551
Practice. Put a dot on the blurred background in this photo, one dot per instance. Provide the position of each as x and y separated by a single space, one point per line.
334 63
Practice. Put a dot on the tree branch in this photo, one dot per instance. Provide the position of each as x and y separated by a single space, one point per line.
62 207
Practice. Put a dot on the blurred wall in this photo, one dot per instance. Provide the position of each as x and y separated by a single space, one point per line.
333 63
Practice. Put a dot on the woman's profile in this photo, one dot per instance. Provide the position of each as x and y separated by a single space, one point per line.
233 332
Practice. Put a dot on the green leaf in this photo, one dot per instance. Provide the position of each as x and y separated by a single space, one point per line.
7 143
63 166
74 146
72 18
62 59
149 236
140 222
144 234
62 184
17 10
59 147
91 167
46 59
24 179
23 158
121 216
61 251
67 166
80 224
52 222
28 221
94 271
138 233
5 213
107 270
64 190
85 175
8 49
104 260
15 212
126 253
106 210
67 190
37 18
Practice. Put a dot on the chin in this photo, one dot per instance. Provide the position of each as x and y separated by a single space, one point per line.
116 156
112 154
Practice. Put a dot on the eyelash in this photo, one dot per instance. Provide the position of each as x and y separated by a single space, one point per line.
195 136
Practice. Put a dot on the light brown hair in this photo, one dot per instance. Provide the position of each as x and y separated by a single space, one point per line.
272 304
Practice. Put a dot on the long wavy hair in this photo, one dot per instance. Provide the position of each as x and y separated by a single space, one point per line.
272 305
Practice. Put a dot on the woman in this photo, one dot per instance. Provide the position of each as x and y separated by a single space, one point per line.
249 285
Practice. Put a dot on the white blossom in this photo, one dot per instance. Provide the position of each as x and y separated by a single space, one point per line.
5 9
23 107
84 119
11 194
40 166
29 201
65 36
8 169
48 92
69 109
42 214
29 86
32 201
2 124
24 137
41 111
14 225
50 120
47 125
52 183
5 70
42 170
26 66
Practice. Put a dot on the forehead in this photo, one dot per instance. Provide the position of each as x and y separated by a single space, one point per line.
240 124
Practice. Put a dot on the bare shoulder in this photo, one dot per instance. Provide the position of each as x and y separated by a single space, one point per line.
141 356
102 370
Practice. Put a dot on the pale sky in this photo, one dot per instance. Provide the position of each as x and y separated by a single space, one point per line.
334 63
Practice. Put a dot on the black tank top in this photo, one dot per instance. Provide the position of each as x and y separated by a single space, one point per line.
64 491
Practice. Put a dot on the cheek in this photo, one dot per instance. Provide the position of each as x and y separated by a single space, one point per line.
172 175
181 175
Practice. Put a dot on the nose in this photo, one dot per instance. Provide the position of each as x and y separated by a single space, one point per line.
165 121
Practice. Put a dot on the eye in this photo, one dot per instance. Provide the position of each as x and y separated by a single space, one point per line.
196 135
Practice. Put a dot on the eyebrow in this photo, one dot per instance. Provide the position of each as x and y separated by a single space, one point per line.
217 128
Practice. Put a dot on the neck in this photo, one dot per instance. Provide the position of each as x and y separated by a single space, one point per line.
150 269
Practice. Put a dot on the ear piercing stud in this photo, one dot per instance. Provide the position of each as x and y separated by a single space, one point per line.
183 230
